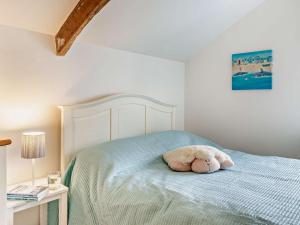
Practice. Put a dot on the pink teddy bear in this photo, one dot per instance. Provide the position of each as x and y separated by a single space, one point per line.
197 158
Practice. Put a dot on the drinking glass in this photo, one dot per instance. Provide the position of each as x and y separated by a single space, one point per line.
54 180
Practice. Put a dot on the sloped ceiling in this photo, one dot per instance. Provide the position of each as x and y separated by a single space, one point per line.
172 29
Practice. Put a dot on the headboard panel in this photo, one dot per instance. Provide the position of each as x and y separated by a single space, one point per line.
110 118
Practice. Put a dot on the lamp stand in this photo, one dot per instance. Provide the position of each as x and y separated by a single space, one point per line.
33 174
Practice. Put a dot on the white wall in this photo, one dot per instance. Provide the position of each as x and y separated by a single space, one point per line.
33 81
261 122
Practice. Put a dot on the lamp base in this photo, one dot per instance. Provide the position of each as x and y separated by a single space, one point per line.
33 172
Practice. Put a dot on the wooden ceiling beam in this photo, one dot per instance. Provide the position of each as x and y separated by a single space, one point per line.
5 142
84 11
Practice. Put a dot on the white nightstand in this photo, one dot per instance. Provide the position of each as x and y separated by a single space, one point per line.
59 194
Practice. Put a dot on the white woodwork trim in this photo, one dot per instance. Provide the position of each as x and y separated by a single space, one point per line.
3 186
109 118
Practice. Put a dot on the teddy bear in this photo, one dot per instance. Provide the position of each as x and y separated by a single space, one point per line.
197 158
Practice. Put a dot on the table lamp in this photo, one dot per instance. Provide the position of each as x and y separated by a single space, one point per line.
33 147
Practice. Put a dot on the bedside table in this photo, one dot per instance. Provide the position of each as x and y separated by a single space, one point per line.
59 194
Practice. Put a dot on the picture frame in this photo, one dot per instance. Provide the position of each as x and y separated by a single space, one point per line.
252 70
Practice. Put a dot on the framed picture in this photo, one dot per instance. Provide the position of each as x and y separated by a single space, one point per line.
252 70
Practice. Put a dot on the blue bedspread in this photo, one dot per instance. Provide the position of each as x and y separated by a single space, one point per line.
126 182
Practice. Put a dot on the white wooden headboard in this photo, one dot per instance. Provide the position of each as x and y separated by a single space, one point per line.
109 118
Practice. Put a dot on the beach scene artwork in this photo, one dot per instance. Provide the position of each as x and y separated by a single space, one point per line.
252 70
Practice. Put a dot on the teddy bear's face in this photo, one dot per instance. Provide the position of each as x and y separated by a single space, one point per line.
205 166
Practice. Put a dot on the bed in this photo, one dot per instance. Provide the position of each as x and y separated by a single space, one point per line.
124 180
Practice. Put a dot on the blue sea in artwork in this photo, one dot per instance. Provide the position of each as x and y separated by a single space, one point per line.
252 81
252 70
